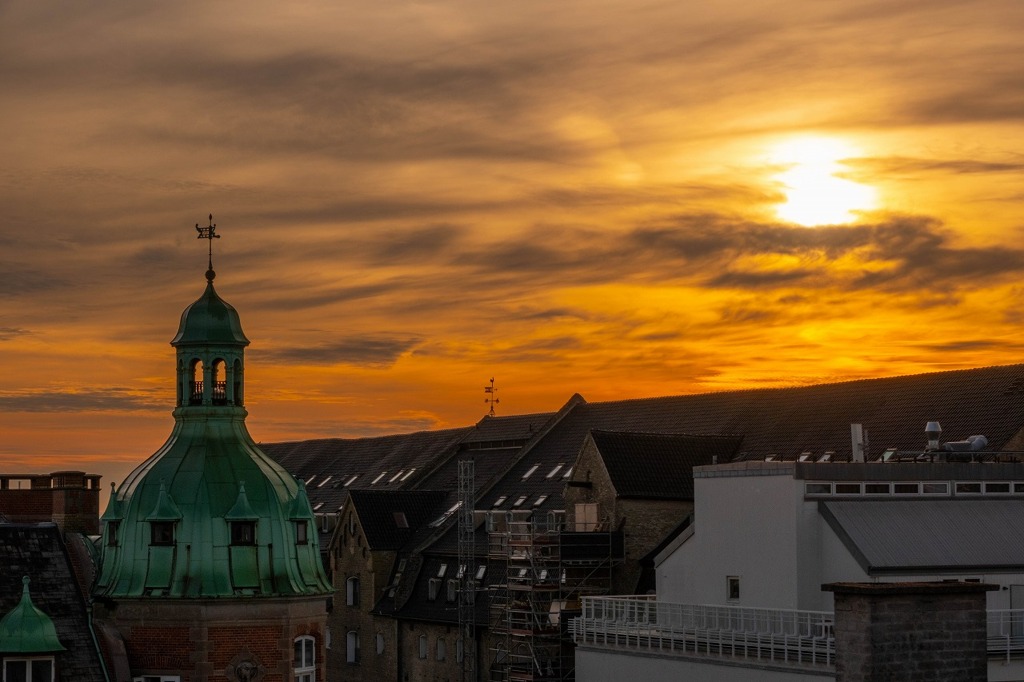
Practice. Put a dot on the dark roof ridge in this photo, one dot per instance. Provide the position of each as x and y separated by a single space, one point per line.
667 434
366 438
768 389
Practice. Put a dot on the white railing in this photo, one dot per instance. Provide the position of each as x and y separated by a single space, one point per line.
765 634
1006 633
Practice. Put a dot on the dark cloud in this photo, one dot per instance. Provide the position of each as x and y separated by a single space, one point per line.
375 351
889 165
8 333
113 399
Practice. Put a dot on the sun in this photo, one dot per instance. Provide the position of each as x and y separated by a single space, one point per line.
815 194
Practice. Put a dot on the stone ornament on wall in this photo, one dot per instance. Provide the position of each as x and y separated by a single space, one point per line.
245 668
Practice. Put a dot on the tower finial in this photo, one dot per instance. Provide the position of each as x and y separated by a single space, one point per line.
491 397
209 233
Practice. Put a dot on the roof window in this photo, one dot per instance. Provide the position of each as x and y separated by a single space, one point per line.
530 471
395 477
407 474
310 479
518 502
316 507
379 476
441 519
400 519
322 483
480 571
442 570
568 473
540 500
554 472
500 501
349 481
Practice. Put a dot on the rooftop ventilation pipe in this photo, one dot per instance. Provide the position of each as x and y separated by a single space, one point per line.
859 441
933 430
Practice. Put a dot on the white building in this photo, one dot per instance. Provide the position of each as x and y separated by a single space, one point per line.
768 535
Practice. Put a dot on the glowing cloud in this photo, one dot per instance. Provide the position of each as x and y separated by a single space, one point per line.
815 193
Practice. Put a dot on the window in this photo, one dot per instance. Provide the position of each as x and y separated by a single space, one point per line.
305 659
519 501
408 474
732 586
379 476
112 528
500 501
442 649
530 471
301 532
352 591
453 590
395 477
380 643
441 571
351 480
906 488
968 488
423 646
818 488
935 488
157 678
324 482
554 472
243 532
876 488
847 488
400 520
161 532
433 585
29 670
997 488
352 647
540 500
480 571
567 474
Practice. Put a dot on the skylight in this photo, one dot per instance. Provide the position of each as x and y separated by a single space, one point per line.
568 473
500 501
530 471
408 474
540 500
322 483
441 571
349 481
317 506
441 519
480 571
310 479
395 477
554 472
400 519
379 476
522 498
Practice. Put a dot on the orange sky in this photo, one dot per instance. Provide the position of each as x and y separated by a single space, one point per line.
613 197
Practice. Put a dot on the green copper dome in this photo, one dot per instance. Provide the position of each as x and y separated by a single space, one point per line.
27 630
210 514
210 320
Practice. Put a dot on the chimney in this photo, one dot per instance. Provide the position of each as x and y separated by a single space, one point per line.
933 430
857 438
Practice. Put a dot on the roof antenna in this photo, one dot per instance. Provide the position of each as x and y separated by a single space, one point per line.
209 233
491 398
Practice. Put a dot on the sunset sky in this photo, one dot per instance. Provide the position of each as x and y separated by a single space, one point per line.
620 198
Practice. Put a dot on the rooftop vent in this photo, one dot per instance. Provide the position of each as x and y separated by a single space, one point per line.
933 430
859 442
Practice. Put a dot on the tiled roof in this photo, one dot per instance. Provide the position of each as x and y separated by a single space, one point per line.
930 535
517 427
419 605
366 460
38 551
390 517
657 465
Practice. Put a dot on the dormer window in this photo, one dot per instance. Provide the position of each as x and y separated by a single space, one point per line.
34 669
243 532
161 532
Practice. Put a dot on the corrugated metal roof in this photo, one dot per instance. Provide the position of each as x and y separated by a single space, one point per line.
917 535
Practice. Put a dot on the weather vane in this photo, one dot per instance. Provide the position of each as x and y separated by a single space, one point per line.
491 398
209 233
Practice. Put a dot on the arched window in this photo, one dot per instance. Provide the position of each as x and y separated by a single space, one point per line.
236 379
305 659
195 384
352 591
423 646
442 649
352 647
220 384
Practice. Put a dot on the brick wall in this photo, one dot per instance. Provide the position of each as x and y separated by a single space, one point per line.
68 498
912 632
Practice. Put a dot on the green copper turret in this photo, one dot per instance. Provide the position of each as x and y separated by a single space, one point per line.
209 514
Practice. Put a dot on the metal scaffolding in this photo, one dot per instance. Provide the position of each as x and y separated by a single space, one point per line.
467 568
547 569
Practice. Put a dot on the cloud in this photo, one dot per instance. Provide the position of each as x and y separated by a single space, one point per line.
57 399
373 351
8 333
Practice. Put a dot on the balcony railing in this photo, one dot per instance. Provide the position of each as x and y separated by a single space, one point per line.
781 636
785 636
